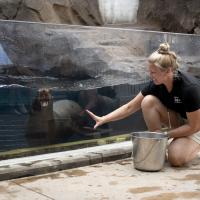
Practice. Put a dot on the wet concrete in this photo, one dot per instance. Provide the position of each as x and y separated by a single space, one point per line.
108 181
103 177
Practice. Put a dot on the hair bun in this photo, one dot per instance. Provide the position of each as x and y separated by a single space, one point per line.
164 48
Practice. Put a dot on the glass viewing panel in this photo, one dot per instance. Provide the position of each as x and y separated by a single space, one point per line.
49 75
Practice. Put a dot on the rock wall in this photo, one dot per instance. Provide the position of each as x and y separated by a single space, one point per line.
173 16
83 12
167 15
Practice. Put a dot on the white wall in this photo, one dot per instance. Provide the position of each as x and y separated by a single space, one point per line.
118 11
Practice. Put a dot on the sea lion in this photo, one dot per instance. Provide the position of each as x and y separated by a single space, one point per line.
52 120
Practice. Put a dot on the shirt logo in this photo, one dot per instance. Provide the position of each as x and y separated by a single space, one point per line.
177 100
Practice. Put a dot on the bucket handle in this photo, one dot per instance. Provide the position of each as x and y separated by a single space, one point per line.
134 149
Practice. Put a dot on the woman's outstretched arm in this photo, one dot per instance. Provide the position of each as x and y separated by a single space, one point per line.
120 113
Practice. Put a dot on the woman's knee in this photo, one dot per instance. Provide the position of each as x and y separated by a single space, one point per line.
176 155
182 150
149 101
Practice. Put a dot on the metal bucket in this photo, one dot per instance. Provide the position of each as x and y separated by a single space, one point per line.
149 149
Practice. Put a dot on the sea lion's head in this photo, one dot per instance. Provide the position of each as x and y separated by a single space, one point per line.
44 96
42 100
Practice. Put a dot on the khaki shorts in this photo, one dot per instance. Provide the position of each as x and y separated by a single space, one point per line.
195 137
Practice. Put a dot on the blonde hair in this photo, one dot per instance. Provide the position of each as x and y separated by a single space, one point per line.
164 58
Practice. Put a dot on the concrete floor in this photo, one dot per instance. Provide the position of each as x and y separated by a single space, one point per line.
115 180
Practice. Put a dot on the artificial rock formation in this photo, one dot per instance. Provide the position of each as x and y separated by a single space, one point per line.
172 16
68 54
83 12
77 57
167 15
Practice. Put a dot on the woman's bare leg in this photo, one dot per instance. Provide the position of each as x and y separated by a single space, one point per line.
156 114
182 150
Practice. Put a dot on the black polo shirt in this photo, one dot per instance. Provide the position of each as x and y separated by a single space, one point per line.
184 97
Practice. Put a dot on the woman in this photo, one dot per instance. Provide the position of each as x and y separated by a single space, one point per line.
172 98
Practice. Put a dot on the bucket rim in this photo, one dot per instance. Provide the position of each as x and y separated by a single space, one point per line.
142 134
